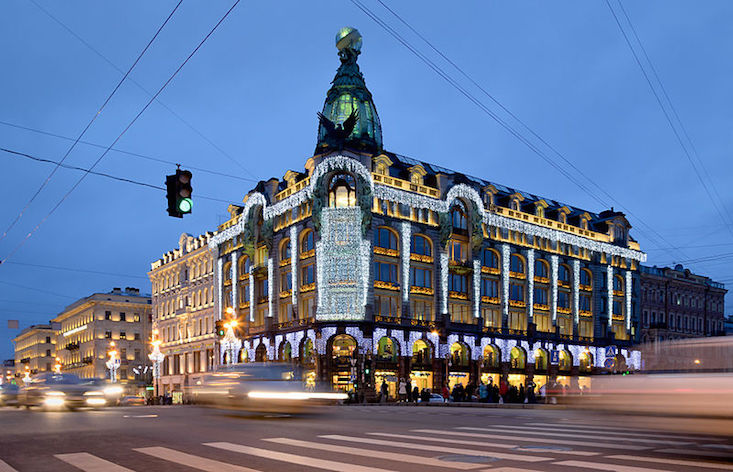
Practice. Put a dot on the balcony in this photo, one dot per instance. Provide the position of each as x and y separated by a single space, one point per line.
74 346
386 285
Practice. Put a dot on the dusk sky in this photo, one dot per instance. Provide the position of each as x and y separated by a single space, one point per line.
250 97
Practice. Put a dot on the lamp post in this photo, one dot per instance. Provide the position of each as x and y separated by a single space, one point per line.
231 343
27 376
157 358
113 363
57 366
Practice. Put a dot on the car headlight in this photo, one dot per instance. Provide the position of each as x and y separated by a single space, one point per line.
55 393
96 401
113 390
93 392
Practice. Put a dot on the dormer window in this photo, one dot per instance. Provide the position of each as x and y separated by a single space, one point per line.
458 217
489 193
539 208
342 192
583 223
514 205
381 164
563 218
381 169
417 174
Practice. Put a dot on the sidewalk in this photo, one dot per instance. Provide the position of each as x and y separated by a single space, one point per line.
516 406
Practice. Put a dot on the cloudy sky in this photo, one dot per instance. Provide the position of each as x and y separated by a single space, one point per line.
244 108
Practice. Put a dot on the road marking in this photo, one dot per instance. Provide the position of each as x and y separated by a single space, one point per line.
431 447
139 416
195 462
391 456
309 462
709 465
90 463
696 452
4 467
480 443
563 434
626 447
636 432
611 467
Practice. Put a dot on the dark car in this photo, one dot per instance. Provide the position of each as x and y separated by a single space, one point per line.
56 391
9 394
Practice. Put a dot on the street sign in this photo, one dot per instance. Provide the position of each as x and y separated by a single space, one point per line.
610 351
609 362
554 357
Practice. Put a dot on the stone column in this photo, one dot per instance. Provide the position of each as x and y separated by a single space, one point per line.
627 294
505 255
218 284
609 294
234 282
406 230
576 294
530 285
553 287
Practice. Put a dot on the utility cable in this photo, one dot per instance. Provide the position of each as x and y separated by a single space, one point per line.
129 153
73 269
170 110
129 125
94 118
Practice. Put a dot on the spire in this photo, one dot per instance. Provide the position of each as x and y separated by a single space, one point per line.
348 93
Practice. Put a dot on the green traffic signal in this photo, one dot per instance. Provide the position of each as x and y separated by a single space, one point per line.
185 205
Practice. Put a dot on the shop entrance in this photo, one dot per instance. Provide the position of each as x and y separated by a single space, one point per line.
390 378
421 379
455 378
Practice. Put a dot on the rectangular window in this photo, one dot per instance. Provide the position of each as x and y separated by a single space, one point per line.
543 322
421 277
308 274
286 282
489 288
563 299
585 328
123 317
285 313
385 272
123 335
458 283
136 317
386 305
262 289
108 315
108 334
618 308
137 336
491 316
422 310
137 354
541 296
516 292
585 303
566 325
307 308
460 312
123 354
458 251
517 320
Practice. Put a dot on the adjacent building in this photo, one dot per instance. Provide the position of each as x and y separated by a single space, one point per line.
676 304
35 350
89 326
367 257
183 312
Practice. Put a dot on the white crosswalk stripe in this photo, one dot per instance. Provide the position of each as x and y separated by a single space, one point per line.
611 467
375 454
660 460
468 442
583 428
195 462
431 447
4 467
293 458
535 432
526 438
91 463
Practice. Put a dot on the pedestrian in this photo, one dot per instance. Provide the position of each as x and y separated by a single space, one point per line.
522 397
483 393
384 392
503 390
402 390
530 392
408 387
415 394
543 393
470 389
445 393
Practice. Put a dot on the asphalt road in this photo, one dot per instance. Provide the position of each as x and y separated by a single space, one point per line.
351 438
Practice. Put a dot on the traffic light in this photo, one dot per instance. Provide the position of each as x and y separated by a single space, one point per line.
179 191
220 331
368 367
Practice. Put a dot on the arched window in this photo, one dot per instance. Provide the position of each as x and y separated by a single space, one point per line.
307 243
385 238
490 258
540 359
285 249
541 268
342 347
516 264
387 350
421 245
459 355
286 352
306 352
563 275
517 358
227 270
342 192
458 217
244 265
492 357
421 353
586 362
261 353
566 361
586 279
618 284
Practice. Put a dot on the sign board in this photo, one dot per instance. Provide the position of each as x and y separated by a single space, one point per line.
554 357
149 388
611 351
12 324
609 362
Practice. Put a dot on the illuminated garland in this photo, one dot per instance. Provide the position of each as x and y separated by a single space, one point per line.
635 360
294 265
529 349
311 334
434 340
234 282
609 294
405 259
252 294
576 290
294 339
322 342
553 286
270 284
628 299
476 288
530 285
505 256
445 348
219 295
414 336
443 281
365 344
255 198
378 334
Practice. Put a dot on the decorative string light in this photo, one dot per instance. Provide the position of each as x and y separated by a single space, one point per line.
553 286
326 334
219 281
251 294
443 281
530 285
365 344
609 294
576 290
294 265
270 286
378 334
627 295
476 288
505 256
406 228
234 280
255 199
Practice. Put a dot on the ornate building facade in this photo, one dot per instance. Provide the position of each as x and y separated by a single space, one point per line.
183 312
35 349
675 304
369 258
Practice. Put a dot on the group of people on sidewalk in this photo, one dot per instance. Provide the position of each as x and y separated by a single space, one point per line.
406 392
492 393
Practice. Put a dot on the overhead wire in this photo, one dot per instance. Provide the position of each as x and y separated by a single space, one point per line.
385 26
141 87
129 125
73 269
91 122
717 202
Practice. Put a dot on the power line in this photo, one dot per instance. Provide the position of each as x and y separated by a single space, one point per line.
36 289
129 153
129 125
103 174
89 124
515 133
71 269
719 207
170 110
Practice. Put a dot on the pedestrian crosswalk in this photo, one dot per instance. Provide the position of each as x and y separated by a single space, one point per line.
500 448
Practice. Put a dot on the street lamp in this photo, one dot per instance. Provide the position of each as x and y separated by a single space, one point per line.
231 343
157 358
27 376
113 363
57 366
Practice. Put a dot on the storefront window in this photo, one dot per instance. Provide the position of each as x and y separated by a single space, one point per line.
540 359
343 347
586 361
306 352
387 350
459 355
286 352
518 359
566 361
492 357
421 353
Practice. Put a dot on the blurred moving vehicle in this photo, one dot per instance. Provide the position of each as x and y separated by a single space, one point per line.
261 387
51 390
9 394
434 398
132 400
112 392
690 377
